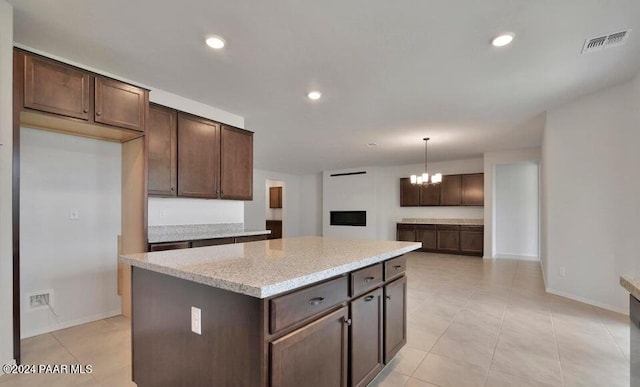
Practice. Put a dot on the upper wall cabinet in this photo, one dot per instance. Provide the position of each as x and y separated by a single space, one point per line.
56 88
202 158
473 189
275 197
198 157
60 97
119 104
163 151
236 164
454 190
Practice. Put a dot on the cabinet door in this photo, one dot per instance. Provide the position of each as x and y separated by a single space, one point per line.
427 237
275 197
449 240
312 356
430 195
451 190
473 189
198 157
236 175
395 318
119 104
55 88
409 193
472 240
366 337
163 151
276 229
406 233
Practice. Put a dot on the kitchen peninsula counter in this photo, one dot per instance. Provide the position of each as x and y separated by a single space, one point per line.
310 311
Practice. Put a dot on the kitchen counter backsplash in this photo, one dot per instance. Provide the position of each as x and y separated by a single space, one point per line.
470 222
186 232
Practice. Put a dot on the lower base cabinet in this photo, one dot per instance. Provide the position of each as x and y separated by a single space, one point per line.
366 339
313 356
444 238
395 317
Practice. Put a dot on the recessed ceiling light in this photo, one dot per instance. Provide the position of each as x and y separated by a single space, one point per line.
372 144
215 42
314 95
502 40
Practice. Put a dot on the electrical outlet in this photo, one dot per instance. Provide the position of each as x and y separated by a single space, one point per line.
562 272
74 214
163 213
39 300
196 321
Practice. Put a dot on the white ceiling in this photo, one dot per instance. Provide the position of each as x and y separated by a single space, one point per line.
390 72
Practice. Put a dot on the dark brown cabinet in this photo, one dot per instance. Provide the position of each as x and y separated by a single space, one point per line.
473 189
56 88
409 193
169 246
366 339
454 190
275 226
205 242
395 317
119 104
198 157
444 238
67 99
451 190
448 238
472 239
275 197
236 165
406 232
426 233
314 356
430 195
163 151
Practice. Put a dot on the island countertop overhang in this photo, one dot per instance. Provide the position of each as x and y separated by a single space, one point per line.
268 268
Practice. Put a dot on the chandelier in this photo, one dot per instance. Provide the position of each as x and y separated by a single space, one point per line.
424 178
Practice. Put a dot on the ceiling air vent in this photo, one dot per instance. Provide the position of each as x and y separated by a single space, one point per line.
606 41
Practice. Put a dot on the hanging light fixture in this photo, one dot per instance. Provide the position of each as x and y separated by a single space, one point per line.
424 178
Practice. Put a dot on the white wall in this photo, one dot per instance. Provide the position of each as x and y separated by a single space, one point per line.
516 211
592 195
491 160
300 203
77 259
6 156
378 192
170 211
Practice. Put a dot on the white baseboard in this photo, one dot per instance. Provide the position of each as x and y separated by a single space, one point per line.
70 323
519 257
588 301
11 362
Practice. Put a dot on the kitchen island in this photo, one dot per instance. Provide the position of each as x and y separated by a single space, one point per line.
309 311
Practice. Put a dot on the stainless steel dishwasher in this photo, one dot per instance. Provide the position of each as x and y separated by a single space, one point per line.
634 308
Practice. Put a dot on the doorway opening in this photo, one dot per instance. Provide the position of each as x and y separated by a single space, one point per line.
274 208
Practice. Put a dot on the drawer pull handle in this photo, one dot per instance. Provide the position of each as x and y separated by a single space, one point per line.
369 298
388 297
397 267
369 279
347 321
316 301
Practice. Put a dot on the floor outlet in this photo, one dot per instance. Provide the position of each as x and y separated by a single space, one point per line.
196 321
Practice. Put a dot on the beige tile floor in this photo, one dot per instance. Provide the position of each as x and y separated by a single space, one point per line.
471 322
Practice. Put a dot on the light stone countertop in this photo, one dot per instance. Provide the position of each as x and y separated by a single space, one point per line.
266 268
632 285
191 232
465 222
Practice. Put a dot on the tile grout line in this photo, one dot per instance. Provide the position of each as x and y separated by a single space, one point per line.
609 334
555 339
73 356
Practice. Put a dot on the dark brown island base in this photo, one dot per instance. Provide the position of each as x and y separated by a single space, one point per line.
308 311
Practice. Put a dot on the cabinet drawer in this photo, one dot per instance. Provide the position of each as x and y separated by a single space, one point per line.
366 279
395 267
425 226
169 246
472 228
251 238
448 227
406 226
213 242
292 308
